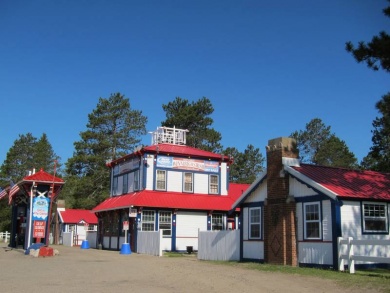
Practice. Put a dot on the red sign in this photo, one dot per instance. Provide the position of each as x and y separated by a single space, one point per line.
39 229
125 225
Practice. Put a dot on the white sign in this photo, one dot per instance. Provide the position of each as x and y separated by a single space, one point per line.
133 213
125 225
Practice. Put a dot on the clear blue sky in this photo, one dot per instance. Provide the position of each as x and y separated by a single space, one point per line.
268 67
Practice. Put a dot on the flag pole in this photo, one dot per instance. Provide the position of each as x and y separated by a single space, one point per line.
51 204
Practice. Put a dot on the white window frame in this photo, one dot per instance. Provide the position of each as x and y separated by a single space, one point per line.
165 223
188 183
212 185
375 212
308 222
217 219
254 222
161 181
148 221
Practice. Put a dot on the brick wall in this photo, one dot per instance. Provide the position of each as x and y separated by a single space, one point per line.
279 209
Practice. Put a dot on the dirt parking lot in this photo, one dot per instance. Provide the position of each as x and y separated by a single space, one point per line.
91 270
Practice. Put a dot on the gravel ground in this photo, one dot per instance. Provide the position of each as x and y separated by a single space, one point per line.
91 270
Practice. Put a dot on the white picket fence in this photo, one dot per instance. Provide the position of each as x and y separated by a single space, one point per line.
5 236
351 257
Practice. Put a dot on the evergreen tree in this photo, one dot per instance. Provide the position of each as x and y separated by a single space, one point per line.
317 145
195 117
379 156
376 54
26 154
246 166
113 130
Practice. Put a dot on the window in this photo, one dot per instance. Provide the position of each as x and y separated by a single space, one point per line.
136 180
216 222
71 227
161 180
213 181
374 217
254 223
125 184
148 220
115 186
165 223
312 220
92 228
188 182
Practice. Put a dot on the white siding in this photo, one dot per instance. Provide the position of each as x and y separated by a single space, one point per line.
201 183
352 227
299 215
351 224
326 220
224 178
253 250
187 225
166 243
174 181
315 253
298 189
259 194
245 224
150 173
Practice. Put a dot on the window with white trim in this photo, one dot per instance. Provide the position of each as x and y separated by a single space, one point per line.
161 180
148 220
165 223
312 218
213 184
217 222
375 217
254 223
188 185
136 180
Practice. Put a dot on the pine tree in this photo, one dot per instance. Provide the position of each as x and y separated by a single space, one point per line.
113 130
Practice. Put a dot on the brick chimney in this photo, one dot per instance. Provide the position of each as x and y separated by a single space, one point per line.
279 209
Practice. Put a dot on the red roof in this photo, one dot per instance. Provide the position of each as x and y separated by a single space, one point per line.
73 216
176 200
349 183
176 150
42 176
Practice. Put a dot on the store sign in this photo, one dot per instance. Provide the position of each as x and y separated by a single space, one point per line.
39 229
40 208
187 164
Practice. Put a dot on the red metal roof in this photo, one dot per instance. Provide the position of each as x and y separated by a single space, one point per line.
175 200
43 176
349 183
176 150
73 216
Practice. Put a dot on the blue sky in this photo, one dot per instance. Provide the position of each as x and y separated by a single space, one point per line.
268 67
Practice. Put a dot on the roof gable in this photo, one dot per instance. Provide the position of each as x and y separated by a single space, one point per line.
75 216
43 176
346 183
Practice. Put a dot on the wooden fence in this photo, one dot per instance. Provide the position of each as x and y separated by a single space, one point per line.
351 257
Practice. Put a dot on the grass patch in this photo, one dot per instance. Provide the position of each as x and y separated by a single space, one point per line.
370 279
178 254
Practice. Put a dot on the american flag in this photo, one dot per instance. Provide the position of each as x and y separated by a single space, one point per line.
14 189
3 193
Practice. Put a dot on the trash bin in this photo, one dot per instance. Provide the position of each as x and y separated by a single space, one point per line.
190 249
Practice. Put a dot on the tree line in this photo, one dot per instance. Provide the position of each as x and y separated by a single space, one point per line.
114 129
